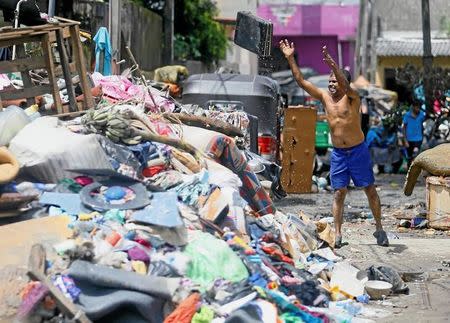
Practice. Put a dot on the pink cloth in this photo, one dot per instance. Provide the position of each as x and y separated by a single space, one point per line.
120 88
4 81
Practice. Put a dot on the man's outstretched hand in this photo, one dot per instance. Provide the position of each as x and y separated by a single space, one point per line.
327 58
288 50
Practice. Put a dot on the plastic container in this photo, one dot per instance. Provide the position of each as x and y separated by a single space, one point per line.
322 134
12 120
33 112
378 288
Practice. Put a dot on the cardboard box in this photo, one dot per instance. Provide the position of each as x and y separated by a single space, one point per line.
438 202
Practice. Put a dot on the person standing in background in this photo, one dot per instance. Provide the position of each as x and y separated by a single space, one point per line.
413 130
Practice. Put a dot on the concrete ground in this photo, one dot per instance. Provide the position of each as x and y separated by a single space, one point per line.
422 256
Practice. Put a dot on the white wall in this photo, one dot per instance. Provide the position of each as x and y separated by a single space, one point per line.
237 57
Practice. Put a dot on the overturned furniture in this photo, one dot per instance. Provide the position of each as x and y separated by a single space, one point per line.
46 35
297 149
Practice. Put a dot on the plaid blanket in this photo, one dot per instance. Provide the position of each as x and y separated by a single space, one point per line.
224 150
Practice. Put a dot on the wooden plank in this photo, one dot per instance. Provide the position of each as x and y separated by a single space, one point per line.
27 84
67 20
6 41
51 72
80 62
66 70
30 92
25 73
72 68
17 238
298 149
66 33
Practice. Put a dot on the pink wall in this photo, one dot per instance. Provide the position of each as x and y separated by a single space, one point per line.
313 19
311 27
309 50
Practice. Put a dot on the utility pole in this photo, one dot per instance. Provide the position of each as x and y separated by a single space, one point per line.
168 32
427 56
357 59
115 26
373 41
364 38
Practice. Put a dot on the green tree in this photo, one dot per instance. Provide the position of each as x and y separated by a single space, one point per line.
444 25
197 35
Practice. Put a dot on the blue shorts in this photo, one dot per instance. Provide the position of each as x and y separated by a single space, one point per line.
354 163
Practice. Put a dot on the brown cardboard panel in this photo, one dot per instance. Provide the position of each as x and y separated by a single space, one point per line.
298 149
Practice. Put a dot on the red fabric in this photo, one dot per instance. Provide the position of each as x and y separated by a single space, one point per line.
153 170
185 311
275 253
143 242
83 180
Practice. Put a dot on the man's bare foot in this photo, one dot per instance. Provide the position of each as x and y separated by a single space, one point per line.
382 239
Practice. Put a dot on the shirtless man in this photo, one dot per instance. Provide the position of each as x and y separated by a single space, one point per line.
350 157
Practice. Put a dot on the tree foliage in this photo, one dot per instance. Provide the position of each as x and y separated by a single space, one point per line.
197 35
444 25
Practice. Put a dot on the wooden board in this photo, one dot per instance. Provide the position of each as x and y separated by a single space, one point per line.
30 92
298 149
22 64
17 238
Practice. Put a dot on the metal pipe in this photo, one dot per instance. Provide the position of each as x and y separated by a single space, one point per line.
16 23
51 8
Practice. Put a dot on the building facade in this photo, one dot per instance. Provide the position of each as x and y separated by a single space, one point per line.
310 25
237 58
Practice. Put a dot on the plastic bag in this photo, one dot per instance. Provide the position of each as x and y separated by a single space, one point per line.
12 120
211 259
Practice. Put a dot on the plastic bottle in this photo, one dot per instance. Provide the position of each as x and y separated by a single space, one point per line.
351 307
33 112
12 120
363 298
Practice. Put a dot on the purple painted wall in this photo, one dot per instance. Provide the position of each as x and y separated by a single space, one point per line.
312 19
312 26
309 50
348 53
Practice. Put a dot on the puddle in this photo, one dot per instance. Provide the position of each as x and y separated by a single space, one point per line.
411 277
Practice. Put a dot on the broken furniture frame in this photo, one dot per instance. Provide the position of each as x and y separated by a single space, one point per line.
46 35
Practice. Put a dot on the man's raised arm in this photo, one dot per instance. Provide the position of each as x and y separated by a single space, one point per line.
340 77
288 51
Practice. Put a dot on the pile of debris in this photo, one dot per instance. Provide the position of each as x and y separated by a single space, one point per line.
169 222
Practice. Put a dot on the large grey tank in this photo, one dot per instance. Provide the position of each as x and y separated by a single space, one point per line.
258 95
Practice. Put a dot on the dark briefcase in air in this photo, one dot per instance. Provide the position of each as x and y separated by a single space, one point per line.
253 33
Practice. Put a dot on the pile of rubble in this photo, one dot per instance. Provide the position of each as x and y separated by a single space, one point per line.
169 223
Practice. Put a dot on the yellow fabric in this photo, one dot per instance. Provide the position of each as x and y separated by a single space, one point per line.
9 166
170 73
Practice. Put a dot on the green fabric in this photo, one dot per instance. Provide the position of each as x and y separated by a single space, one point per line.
71 185
115 215
206 315
211 259
290 318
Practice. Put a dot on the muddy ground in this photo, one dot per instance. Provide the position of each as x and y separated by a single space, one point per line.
422 255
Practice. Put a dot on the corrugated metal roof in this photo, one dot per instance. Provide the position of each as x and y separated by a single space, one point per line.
411 47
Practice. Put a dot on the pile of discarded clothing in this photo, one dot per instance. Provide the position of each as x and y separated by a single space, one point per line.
169 223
